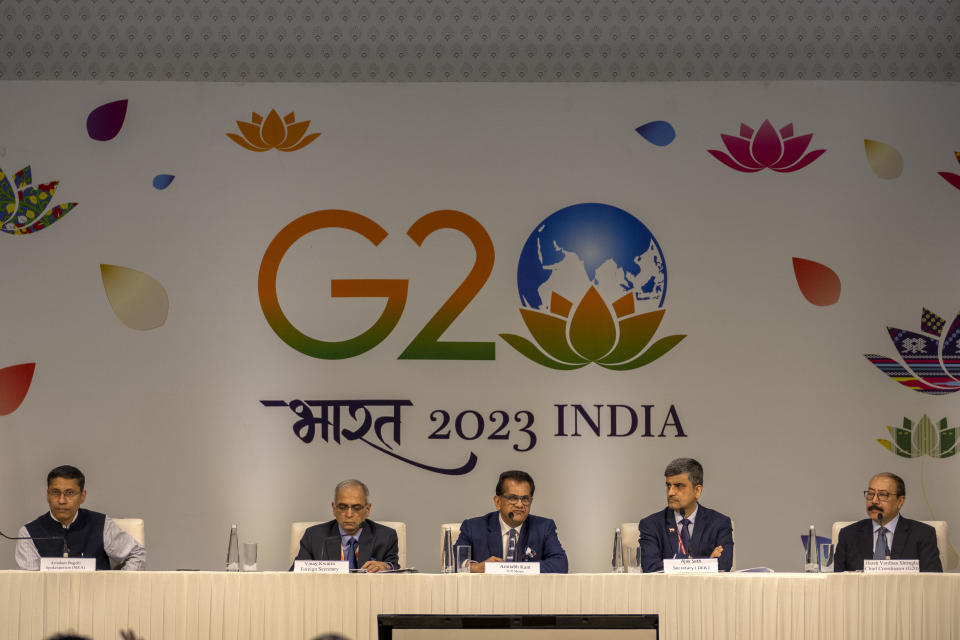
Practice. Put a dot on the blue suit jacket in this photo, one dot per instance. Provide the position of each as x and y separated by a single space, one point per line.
911 540
538 541
658 538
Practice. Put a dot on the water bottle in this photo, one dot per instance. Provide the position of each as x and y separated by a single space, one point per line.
618 551
233 550
811 563
447 562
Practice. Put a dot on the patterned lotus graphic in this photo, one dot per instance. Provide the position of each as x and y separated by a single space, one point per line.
933 368
922 439
766 148
272 132
22 211
952 178
611 265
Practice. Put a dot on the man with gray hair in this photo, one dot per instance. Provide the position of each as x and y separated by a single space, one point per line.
685 529
351 536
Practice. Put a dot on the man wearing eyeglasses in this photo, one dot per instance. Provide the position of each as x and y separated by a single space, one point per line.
80 533
511 534
886 534
352 536
685 529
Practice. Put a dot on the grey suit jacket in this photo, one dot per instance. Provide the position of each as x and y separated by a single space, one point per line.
377 542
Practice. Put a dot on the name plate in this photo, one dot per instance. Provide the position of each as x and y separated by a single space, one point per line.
891 566
690 565
68 564
512 568
321 566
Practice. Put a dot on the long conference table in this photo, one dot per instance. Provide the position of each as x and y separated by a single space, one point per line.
213 605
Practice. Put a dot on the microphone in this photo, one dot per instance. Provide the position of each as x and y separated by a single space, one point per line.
66 549
323 547
510 514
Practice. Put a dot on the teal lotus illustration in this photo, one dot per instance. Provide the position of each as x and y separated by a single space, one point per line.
922 439
592 334
22 211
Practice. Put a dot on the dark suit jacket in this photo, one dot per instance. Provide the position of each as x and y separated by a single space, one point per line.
912 540
377 542
658 538
538 541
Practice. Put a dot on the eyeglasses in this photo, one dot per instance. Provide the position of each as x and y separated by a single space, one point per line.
870 494
525 500
69 494
344 508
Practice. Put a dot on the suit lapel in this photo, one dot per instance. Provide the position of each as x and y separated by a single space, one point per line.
866 540
670 527
900 538
494 538
365 548
701 524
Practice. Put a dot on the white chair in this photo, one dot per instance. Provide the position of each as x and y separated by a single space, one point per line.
454 529
938 525
133 526
297 529
630 534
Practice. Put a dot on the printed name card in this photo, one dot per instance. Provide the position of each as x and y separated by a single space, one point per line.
68 564
512 568
690 565
321 566
891 566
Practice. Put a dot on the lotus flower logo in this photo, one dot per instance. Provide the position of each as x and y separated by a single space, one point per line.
766 148
609 254
923 439
22 212
934 368
272 132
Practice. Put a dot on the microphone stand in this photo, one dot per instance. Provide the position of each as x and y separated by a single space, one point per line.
66 549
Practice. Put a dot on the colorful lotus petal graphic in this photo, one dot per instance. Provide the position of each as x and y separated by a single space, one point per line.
922 439
766 148
952 178
105 122
14 384
592 334
818 283
934 368
137 299
22 211
272 132
885 160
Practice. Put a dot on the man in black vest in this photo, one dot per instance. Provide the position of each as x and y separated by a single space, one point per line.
79 532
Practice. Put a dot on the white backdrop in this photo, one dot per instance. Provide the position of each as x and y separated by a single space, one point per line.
774 394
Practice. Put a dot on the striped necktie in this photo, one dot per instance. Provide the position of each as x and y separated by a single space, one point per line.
512 546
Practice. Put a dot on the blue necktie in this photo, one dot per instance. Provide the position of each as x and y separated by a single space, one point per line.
685 538
351 551
880 551
512 546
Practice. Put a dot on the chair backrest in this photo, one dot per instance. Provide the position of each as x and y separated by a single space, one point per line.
133 526
454 529
297 529
938 525
630 535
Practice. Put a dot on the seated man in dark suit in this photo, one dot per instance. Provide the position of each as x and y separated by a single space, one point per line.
685 529
886 534
351 536
510 533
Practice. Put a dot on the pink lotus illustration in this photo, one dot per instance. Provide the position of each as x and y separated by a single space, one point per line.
934 367
766 148
952 178
572 338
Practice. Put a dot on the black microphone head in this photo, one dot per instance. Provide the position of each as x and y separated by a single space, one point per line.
510 514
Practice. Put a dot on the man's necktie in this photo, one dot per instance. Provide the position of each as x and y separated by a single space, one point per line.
685 538
880 551
512 546
351 551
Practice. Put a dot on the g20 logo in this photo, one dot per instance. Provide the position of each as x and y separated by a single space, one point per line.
593 253
426 345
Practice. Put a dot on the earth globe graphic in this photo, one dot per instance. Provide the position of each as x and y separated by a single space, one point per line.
591 245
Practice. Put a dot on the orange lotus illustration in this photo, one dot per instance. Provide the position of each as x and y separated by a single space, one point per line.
592 334
272 132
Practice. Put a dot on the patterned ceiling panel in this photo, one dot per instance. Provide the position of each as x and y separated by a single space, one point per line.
479 40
